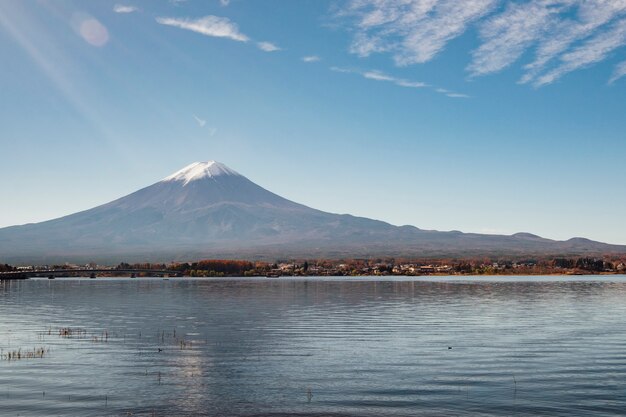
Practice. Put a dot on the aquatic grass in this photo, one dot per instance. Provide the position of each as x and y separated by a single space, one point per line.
68 332
36 353
79 333
170 338
102 338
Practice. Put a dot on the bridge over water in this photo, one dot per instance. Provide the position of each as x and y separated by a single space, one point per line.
83 272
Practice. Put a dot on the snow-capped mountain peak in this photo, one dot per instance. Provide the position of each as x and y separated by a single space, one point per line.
200 170
207 210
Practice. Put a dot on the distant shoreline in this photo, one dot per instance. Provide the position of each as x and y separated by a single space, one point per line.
218 268
113 274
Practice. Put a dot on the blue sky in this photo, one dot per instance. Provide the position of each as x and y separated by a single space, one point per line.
485 116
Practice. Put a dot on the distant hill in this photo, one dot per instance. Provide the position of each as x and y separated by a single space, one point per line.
209 210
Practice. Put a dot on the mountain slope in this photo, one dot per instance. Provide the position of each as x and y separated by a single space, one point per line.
209 210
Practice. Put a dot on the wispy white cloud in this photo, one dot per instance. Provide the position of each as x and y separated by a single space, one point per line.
451 94
619 72
344 70
457 95
590 52
400 82
373 75
414 31
121 8
559 36
224 2
593 18
410 84
267 46
311 58
378 76
200 121
219 27
507 35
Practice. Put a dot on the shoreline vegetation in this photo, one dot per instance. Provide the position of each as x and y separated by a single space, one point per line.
353 267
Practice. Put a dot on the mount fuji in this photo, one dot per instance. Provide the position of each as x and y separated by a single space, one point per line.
209 210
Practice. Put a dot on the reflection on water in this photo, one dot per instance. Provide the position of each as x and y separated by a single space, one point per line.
509 346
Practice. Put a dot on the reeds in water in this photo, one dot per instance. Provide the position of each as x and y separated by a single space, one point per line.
68 332
14 355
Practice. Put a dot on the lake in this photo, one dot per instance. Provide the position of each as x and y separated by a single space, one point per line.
312 347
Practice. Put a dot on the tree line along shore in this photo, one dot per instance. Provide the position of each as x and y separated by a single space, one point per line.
357 267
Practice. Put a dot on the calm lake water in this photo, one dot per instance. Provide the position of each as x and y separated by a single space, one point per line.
358 347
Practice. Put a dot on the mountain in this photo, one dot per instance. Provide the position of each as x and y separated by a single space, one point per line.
209 210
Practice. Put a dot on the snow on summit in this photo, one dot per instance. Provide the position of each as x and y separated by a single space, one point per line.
200 170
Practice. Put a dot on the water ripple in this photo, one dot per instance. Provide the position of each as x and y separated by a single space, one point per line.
313 347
